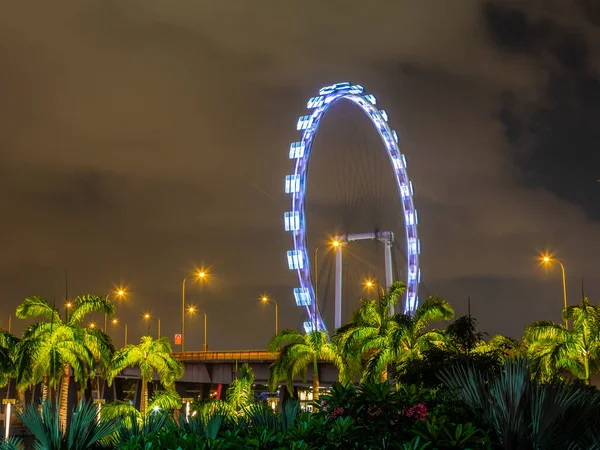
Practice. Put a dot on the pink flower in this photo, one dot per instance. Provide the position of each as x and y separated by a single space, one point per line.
337 412
372 410
418 412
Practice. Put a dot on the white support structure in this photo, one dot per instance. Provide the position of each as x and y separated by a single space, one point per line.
387 237
389 274
337 320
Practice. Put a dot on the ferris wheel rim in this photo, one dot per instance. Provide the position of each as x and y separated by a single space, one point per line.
295 185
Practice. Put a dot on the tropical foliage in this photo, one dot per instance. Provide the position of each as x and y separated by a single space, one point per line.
448 388
56 347
555 349
297 352
376 336
526 414
84 431
150 356
240 393
8 343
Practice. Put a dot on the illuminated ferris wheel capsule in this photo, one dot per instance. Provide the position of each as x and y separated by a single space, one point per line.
295 185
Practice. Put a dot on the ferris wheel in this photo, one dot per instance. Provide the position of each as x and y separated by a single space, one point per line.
295 219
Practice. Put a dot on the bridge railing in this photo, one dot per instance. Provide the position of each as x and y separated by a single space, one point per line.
235 355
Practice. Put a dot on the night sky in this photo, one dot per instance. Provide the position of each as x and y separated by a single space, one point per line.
141 139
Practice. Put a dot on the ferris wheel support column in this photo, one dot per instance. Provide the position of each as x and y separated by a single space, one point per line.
388 242
337 322
389 273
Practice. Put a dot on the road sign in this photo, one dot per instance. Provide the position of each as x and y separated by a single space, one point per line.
177 339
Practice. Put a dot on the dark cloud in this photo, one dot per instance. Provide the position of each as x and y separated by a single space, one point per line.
141 139
554 135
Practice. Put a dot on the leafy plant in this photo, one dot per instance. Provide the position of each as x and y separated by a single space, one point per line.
150 355
12 443
84 432
239 394
524 413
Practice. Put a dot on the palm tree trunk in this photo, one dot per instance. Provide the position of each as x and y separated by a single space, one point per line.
384 375
586 365
45 388
144 397
315 379
64 398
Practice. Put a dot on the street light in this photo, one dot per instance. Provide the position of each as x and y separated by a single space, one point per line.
92 325
370 284
265 299
192 310
68 306
549 259
120 292
335 244
201 275
147 319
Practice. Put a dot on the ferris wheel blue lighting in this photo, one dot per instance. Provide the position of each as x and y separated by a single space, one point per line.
295 259
292 221
292 184
296 150
302 296
295 185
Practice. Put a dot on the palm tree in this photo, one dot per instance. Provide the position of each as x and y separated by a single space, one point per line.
8 343
368 329
382 339
240 393
553 348
298 352
52 348
150 355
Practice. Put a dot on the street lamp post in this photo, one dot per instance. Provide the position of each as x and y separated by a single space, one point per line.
147 319
335 244
266 299
192 311
119 293
547 259
205 345
201 274
369 284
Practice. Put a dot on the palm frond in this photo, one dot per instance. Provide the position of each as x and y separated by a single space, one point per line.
88 304
38 307
165 400
284 337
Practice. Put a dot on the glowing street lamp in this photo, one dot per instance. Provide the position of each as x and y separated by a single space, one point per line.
115 322
92 325
147 319
547 259
265 299
201 275
370 284
191 311
335 244
120 293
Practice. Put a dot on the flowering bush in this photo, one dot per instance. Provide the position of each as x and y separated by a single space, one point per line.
380 413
